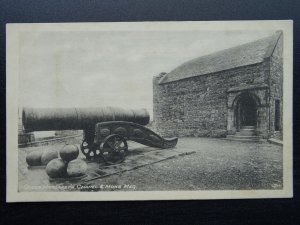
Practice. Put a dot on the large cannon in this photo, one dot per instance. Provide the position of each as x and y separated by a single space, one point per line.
46 119
105 130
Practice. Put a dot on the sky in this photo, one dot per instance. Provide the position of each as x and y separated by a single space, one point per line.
109 68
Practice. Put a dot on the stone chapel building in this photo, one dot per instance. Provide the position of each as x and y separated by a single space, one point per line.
224 94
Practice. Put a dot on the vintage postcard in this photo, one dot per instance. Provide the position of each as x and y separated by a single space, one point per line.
149 111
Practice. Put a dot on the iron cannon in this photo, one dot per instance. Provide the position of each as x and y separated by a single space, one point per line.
106 130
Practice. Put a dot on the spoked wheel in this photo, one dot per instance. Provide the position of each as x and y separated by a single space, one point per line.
90 151
113 149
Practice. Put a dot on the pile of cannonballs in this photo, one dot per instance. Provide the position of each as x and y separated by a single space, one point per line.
59 164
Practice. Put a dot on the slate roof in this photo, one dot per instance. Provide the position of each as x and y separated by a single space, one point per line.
242 55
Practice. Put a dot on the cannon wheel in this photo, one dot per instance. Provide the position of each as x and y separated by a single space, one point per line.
89 150
113 149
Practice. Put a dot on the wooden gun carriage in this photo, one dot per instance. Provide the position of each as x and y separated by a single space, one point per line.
106 130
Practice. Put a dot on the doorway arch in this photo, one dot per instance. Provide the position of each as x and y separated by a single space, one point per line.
245 111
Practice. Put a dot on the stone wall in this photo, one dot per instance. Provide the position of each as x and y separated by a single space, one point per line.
197 106
64 133
275 83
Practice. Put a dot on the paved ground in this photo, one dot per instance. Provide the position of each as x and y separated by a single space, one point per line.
215 164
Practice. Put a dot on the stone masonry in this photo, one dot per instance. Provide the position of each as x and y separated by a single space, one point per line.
206 104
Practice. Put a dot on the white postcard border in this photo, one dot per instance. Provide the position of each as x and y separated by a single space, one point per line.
12 71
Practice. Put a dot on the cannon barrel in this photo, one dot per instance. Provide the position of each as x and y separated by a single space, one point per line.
47 119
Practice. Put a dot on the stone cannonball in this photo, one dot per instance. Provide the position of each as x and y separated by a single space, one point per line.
34 158
76 167
47 156
56 168
69 152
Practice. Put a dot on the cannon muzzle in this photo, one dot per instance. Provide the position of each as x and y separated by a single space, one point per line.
47 119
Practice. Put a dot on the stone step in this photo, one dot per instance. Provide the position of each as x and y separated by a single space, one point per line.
243 137
248 127
246 133
242 140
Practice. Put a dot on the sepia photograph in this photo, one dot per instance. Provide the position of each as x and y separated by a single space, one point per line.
149 111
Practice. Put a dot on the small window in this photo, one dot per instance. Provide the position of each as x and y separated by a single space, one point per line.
277 115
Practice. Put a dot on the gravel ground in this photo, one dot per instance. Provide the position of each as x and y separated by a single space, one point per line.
217 165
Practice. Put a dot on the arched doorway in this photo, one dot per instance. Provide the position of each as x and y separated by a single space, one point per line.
246 111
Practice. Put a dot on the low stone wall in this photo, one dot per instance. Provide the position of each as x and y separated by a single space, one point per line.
24 138
74 139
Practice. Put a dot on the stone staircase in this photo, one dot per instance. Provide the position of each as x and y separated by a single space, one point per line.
246 133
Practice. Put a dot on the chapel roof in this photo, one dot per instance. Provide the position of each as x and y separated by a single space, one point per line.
242 55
